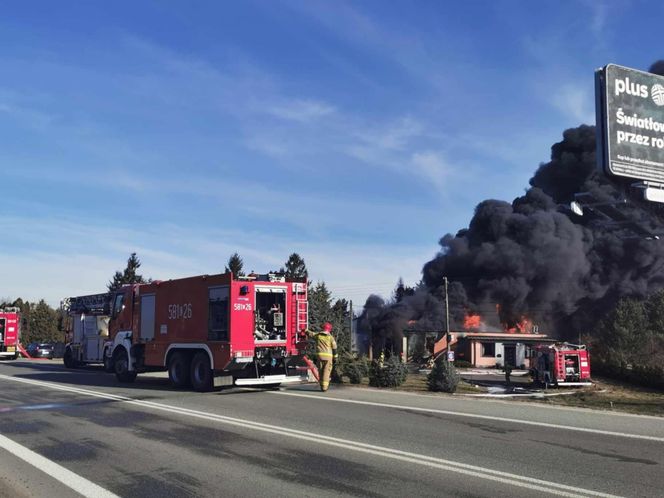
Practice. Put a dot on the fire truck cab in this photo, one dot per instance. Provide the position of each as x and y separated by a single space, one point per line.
209 330
561 365
10 332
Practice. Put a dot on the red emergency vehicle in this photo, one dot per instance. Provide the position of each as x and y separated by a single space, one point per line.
561 365
10 332
209 330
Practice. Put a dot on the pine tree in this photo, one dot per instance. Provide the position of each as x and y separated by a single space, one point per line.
128 276
401 290
322 309
443 377
235 265
295 267
43 324
341 323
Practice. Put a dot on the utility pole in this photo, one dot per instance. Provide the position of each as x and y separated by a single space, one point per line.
447 322
353 337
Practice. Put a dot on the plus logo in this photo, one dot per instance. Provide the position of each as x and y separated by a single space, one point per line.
657 93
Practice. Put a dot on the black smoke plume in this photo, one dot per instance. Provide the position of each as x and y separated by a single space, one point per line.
535 258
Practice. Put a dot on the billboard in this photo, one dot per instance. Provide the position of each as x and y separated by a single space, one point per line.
630 123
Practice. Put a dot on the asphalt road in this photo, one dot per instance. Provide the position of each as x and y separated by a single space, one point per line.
65 433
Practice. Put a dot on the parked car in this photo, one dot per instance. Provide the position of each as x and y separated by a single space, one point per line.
40 350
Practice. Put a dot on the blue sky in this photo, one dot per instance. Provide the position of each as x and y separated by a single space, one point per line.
354 133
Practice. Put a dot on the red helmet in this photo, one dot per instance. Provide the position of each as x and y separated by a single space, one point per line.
327 327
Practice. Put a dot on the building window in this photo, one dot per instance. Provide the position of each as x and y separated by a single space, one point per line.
218 314
488 349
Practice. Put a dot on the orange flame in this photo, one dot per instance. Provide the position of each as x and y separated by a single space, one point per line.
523 326
472 322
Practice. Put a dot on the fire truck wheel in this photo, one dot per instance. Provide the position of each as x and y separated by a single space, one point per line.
108 364
68 359
121 363
201 373
178 370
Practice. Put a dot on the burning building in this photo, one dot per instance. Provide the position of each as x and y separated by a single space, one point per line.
477 343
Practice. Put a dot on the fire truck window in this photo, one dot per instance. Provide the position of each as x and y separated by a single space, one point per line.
218 314
118 305
2 329
488 349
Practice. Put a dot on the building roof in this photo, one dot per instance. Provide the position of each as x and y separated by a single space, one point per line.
502 337
518 336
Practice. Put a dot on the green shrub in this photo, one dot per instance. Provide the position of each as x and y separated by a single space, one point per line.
611 368
648 375
462 364
353 367
357 370
642 375
443 377
335 377
392 373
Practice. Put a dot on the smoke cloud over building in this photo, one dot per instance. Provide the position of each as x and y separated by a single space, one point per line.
534 258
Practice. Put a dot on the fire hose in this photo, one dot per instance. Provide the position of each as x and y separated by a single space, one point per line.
312 367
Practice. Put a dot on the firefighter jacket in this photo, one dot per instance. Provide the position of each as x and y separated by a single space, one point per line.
326 345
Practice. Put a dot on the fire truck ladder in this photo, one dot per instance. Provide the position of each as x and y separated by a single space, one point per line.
302 319
560 367
301 307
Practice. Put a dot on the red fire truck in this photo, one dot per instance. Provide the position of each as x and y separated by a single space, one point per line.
209 330
561 365
10 332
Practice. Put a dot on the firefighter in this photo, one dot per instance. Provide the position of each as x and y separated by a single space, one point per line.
508 372
326 351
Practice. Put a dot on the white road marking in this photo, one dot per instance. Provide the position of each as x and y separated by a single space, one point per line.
500 401
404 456
472 415
67 477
